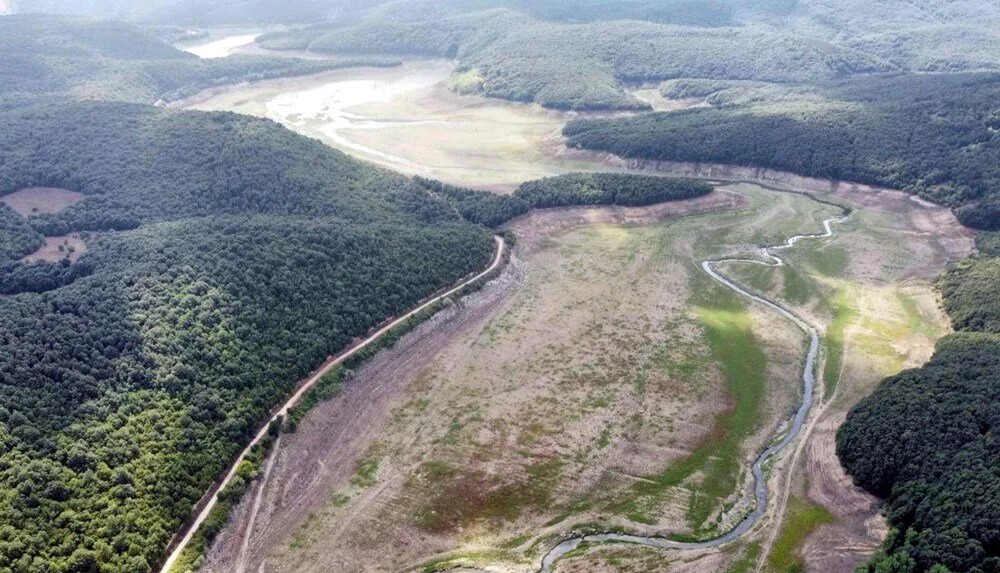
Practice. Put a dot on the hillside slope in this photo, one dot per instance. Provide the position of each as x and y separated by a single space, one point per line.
926 440
137 372
92 59
934 135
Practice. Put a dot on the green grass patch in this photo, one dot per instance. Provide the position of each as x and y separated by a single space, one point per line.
801 519
844 312
746 562
798 289
470 82
914 320
829 260
366 471
728 331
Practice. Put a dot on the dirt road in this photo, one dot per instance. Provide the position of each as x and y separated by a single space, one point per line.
209 502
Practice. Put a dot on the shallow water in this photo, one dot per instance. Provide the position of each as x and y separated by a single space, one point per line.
221 47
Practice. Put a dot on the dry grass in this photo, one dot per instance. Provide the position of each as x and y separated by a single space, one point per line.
56 249
40 200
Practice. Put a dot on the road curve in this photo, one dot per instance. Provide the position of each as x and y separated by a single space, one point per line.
760 484
191 528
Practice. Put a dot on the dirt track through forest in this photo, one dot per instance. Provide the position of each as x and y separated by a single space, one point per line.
208 503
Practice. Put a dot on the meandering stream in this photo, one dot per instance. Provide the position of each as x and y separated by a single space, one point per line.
760 483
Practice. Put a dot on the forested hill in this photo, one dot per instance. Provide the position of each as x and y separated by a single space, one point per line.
196 12
927 439
586 54
75 58
140 164
135 375
226 257
936 135
508 54
571 189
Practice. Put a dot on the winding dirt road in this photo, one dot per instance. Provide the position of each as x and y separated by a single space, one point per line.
208 503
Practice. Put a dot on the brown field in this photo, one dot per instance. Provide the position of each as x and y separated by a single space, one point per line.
55 249
433 405
39 200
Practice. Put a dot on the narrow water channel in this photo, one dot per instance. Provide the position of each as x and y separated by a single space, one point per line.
771 259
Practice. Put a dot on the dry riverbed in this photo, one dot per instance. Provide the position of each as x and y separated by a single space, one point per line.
545 401
408 119
588 386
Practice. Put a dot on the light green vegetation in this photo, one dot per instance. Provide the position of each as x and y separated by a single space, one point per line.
844 313
801 519
716 462
746 560
366 469
743 362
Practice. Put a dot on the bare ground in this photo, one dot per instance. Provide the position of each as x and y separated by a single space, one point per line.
39 200
896 247
55 249
316 462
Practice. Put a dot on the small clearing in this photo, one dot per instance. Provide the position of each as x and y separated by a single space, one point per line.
41 200
56 249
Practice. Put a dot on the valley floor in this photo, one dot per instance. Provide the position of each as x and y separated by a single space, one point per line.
406 118
604 381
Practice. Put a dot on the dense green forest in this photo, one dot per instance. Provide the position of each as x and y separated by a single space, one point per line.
934 135
578 66
624 189
926 440
105 150
584 55
571 189
226 258
87 59
17 237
